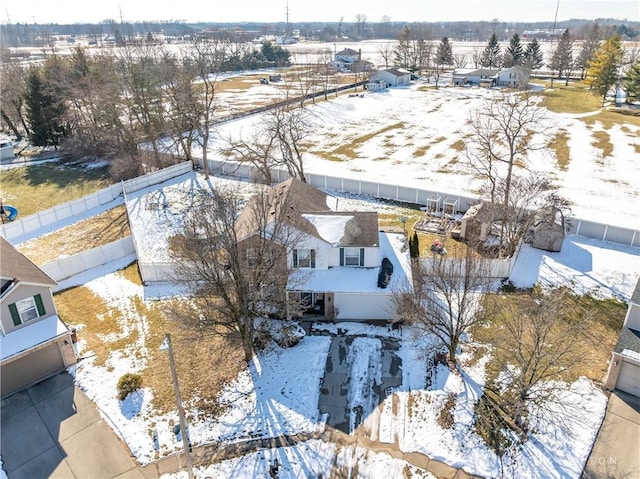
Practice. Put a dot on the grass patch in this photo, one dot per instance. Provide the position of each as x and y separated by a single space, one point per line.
602 334
459 146
347 150
34 188
574 98
98 230
560 144
421 151
603 143
205 362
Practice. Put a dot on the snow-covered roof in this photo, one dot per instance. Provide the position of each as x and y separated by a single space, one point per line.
330 227
359 280
29 336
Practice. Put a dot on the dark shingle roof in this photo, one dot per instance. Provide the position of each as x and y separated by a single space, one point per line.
15 265
289 200
635 296
628 339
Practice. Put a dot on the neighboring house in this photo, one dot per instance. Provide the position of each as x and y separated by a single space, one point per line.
348 55
479 77
624 368
391 77
34 342
334 264
514 77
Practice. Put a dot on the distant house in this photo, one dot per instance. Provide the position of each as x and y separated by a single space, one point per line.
348 55
479 77
514 77
34 342
391 77
335 265
624 368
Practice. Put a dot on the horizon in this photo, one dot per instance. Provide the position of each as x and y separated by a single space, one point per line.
333 11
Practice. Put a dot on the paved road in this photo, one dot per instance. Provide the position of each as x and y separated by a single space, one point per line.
616 452
53 430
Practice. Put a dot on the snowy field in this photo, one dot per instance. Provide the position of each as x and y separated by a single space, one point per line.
416 130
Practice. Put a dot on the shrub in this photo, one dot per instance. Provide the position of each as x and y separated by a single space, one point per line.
128 383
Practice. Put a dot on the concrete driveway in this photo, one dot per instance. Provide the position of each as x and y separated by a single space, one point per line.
53 430
616 452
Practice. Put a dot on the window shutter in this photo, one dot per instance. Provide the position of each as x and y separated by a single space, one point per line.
361 256
39 305
14 314
341 256
295 258
313 258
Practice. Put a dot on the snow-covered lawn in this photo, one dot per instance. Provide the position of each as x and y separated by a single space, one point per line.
417 131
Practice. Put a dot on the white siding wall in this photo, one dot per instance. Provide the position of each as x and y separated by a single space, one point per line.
632 319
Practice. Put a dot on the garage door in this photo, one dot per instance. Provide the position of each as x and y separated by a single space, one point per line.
629 378
31 368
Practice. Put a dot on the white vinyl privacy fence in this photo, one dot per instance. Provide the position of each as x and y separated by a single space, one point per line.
64 268
432 198
67 211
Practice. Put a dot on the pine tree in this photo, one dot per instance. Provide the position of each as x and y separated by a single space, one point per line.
514 54
402 51
631 82
602 73
44 112
562 59
491 54
533 55
444 55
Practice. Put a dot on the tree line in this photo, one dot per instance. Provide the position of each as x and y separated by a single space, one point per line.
109 104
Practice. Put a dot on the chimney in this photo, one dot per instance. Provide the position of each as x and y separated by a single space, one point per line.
359 53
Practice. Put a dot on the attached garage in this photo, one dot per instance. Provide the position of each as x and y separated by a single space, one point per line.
629 376
31 368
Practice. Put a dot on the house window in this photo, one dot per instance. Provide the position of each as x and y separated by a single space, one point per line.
304 258
250 257
26 309
351 256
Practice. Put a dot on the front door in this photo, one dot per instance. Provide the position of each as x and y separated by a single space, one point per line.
329 311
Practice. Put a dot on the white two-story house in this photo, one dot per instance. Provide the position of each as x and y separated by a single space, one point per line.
334 267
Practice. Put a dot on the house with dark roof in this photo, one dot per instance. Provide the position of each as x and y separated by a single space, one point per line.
334 262
624 367
34 342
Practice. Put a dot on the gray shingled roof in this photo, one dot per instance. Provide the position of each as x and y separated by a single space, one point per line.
291 199
15 265
635 296
628 339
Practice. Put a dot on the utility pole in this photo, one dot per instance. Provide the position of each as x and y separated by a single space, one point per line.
183 423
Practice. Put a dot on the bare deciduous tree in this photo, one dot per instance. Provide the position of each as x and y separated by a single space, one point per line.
448 297
234 260
538 342
278 142
502 135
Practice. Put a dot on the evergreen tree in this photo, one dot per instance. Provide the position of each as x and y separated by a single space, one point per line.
491 53
514 54
444 55
602 73
562 59
45 114
402 52
416 245
533 55
631 82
